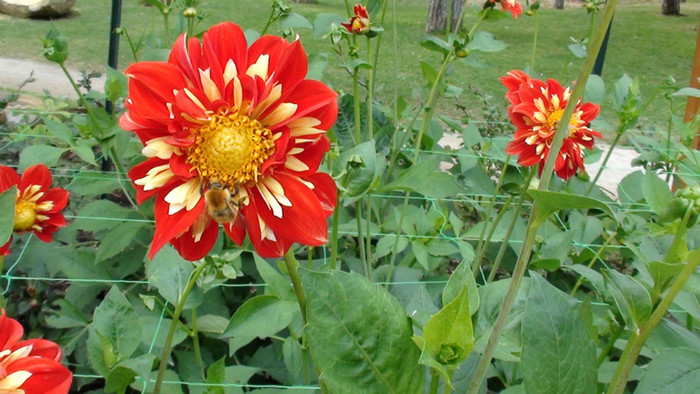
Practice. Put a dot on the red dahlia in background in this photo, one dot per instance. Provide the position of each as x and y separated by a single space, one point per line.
359 24
233 135
511 6
31 366
37 206
536 109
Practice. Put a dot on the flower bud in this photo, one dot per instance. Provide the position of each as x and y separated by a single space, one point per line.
189 12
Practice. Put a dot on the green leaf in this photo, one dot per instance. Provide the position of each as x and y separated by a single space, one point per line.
117 321
429 73
426 178
448 337
117 240
558 356
119 379
59 130
39 154
116 85
360 170
385 245
687 92
435 44
656 192
485 42
359 335
324 24
420 251
261 317
549 202
85 153
277 284
293 20
216 374
293 359
462 276
212 324
7 214
101 214
631 297
92 183
169 273
595 89
676 371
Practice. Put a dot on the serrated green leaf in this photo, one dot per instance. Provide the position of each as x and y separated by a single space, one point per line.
656 192
359 335
277 284
558 356
169 273
39 154
676 371
426 178
549 202
124 332
631 297
85 153
261 316
91 183
116 85
59 130
117 240
7 214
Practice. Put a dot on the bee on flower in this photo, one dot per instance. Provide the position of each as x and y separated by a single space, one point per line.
37 206
359 24
233 135
30 366
536 110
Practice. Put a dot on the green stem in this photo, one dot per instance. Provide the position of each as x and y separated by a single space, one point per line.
608 346
370 91
174 323
270 19
604 163
166 26
492 203
368 238
511 226
487 241
195 344
291 262
533 222
356 105
534 44
131 45
595 258
190 26
112 152
360 236
434 381
639 337
334 233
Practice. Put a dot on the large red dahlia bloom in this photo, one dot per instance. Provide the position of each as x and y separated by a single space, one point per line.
536 109
232 129
37 206
31 366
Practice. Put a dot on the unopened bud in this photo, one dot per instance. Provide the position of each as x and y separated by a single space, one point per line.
189 12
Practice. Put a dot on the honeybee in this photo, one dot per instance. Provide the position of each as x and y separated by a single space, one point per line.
221 204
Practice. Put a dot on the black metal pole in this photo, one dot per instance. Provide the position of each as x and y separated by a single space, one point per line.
113 56
598 66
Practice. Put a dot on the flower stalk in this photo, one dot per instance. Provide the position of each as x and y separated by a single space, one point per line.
174 323
291 263
546 176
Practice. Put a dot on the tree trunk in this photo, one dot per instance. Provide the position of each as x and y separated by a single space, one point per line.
437 15
671 7
559 4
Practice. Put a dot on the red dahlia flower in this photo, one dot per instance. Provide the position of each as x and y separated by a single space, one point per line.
31 366
511 6
359 24
536 109
231 129
37 206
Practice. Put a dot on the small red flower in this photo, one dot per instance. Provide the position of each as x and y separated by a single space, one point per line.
359 24
31 366
536 109
511 6
37 206
234 135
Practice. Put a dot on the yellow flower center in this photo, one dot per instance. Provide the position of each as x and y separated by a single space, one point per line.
231 149
25 215
553 118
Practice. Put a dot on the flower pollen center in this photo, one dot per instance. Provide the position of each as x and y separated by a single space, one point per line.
25 215
231 149
553 118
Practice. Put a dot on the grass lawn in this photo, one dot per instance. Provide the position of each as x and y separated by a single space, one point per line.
643 44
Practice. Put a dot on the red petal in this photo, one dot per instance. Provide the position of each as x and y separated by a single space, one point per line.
160 77
227 41
325 190
36 175
310 96
171 226
58 196
140 170
191 250
8 178
10 331
312 154
41 348
5 249
48 376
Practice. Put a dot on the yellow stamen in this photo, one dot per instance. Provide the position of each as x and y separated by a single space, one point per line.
25 215
231 149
